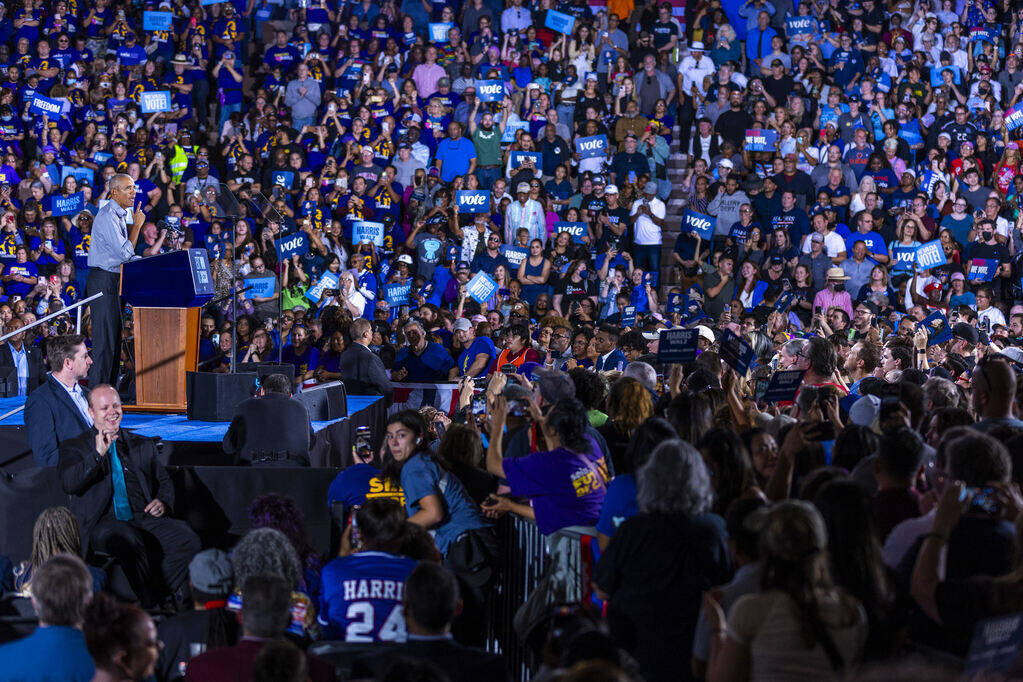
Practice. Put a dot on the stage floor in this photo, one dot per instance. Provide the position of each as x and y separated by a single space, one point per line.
177 427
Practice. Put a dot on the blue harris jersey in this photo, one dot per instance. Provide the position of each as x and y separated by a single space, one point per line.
361 597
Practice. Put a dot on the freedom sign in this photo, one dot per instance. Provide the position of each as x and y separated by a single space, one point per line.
490 91
157 21
560 22
698 223
439 31
577 230
930 255
397 294
472 201
783 386
1014 117
293 245
155 101
795 26
481 287
758 140
591 147
677 345
68 205
262 287
368 231
983 269
44 106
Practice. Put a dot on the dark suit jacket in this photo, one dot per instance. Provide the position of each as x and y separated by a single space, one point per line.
613 360
364 374
85 476
461 663
51 417
234 664
36 369
270 424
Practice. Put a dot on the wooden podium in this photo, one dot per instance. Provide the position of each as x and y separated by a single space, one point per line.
166 293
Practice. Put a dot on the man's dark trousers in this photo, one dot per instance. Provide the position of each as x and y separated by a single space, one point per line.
106 326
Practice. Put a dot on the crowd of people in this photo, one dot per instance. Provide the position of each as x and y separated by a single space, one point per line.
795 426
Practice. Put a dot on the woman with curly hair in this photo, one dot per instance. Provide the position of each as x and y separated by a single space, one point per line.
628 405
122 640
281 513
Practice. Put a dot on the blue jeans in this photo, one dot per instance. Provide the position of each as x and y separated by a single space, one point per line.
299 123
647 257
488 176
225 113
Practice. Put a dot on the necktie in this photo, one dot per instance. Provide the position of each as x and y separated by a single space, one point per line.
122 507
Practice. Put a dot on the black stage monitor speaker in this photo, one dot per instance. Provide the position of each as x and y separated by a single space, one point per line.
265 369
214 397
325 401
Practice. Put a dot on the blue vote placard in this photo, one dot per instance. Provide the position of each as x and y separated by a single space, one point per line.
983 269
1014 117
262 287
329 280
397 294
736 352
481 287
995 645
472 201
292 245
518 157
677 345
560 22
783 386
157 21
930 255
761 140
68 205
577 230
490 91
155 101
937 326
698 223
795 26
590 147
368 231
439 31
629 316
44 106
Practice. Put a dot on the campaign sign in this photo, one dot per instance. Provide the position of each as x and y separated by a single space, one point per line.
677 345
206 3
439 31
698 223
784 301
518 157
155 101
44 106
262 287
368 231
938 329
490 91
1014 117
293 245
995 644
985 34
983 269
591 147
930 255
629 316
397 294
560 22
736 352
577 230
481 287
514 255
472 201
758 140
511 128
783 386
795 26
328 281
80 174
677 302
282 179
157 21
68 205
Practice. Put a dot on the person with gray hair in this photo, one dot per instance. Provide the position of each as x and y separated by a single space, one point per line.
940 392
421 359
266 551
644 373
793 355
660 562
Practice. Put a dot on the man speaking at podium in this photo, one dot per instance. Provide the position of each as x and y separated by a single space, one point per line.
113 243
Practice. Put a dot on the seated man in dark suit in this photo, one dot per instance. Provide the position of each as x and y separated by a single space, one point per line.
265 614
58 410
361 370
27 360
270 429
431 600
121 494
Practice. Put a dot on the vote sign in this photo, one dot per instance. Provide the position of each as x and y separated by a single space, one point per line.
155 101
591 147
481 287
577 230
472 201
490 91
698 223
292 245
930 255
758 140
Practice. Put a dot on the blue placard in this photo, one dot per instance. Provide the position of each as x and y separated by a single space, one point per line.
560 22
591 147
68 205
155 101
983 269
518 157
368 231
262 287
930 255
80 174
397 294
490 91
677 345
938 329
282 179
1014 117
783 386
698 223
206 3
511 128
102 157
202 278
439 31
472 201
736 352
677 302
984 34
481 287
784 301
795 26
577 230
995 645
629 316
292 245
44 106
157 21
761 140
329 280
514 255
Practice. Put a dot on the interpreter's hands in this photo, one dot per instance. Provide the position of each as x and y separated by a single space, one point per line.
156 508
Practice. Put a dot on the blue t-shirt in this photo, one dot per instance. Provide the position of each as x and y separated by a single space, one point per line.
358 483
422 476
26 269
361 599
874 242
482 344
455 156
565 488
619 504
433 365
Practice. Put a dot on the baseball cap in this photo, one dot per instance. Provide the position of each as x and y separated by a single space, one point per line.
462 265
443 82
865 411
611 189
727 163
210 572
817 237
705 332
650 187
958 275
965 332
405 258
523 187
434 172
462 325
